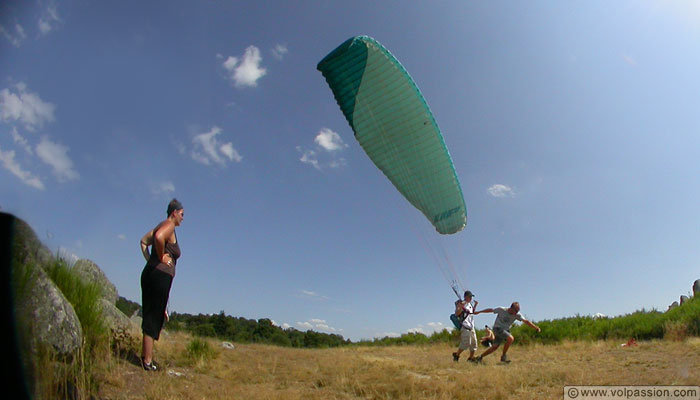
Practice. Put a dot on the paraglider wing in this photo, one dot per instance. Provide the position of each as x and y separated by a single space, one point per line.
394 125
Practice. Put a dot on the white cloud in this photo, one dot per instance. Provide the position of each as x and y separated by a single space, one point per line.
329 140
280 51
501 191
246 71
318 325
381 335
230 152
427 329
340 162
309 157
49 19
314 295
208 150
25 107
283 326
15 38
121 236
328 146
305 325
163 188
8 161
21 141
56 156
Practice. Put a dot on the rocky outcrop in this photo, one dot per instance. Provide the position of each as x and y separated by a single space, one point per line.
27 249
45 316
684 298
125 333
115 319
90 272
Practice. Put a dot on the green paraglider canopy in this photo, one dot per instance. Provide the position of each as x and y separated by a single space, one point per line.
394 125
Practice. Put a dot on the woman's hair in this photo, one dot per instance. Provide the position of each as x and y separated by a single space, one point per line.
174 205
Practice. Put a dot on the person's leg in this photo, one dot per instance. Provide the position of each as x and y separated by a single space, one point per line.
473 345
509 341
506 346
462 344
489 351
147 349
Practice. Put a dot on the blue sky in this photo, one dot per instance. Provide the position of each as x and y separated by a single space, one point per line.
573 129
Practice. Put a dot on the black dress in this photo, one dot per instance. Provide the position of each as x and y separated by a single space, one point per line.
156 280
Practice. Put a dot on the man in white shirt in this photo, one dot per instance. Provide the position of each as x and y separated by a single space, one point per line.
467 337
501 328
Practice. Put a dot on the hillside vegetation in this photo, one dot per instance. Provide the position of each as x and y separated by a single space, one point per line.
675 324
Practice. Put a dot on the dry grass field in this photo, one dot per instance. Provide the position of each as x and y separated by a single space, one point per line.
401 372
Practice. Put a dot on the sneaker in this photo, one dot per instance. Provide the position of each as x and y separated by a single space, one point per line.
504 359
152 366
472 360
478 360
455 357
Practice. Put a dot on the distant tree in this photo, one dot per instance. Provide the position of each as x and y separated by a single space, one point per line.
220 323
128 307
281 339
263 331
205 330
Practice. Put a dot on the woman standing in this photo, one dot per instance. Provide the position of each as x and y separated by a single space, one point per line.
157 278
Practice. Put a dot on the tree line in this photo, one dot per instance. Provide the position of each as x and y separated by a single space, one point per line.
241 330
677 323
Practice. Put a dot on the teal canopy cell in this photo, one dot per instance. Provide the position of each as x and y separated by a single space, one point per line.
394 125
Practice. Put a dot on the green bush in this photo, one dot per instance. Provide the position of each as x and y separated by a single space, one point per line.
641 325
199 351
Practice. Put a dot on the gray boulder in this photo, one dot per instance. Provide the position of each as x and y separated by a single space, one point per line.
44 316
115 319
26 247
683 299
672 306
137 320
90 272
125 332
696 288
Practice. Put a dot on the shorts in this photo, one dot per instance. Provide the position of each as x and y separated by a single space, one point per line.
467 339
501 335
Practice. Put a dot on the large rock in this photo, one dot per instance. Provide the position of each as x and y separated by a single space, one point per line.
90 272
125 332
696 288
683 299
26 246
672 306
44 315
116 319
